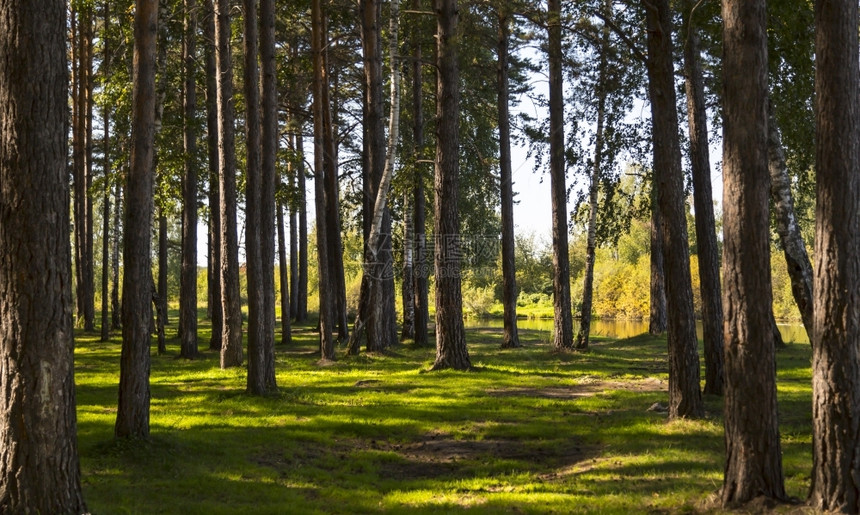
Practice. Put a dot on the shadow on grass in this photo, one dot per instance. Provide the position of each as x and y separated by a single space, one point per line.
533 432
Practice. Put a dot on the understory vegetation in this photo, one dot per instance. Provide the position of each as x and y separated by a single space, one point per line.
529 430
622 277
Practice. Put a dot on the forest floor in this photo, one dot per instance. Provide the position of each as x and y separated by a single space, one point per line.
529 430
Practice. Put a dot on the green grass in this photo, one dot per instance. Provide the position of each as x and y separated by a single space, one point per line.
530 431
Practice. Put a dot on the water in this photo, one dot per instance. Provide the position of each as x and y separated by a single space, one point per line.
623 328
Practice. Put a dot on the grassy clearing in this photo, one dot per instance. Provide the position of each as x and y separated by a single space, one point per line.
530 431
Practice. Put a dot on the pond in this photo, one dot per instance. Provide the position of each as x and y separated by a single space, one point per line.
623 328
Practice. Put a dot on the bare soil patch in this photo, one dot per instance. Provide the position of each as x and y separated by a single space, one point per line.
584 389
437 454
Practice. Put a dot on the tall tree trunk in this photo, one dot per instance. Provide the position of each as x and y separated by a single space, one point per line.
269 147
319 40
286 333
160 321
341 316
161 291
302 288
132 419
106 60
835 359
419 204
511 338
257 337
82 162
562 320
657 321
77 159
105 323
294 265
214 265
231 328
382 223
451 351
753 458
376 314
421 267
685 398
584 332
89 274
332 144
370 145
116 316
582 336
294 234
794 248
332 203
188 276
39 468
706 236
407 288
261 145
161 85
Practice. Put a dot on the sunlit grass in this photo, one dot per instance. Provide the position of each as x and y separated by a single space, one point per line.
529 430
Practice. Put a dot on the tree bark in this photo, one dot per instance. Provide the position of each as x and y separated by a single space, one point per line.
89 84
584 332
82 34
214 265
657 321
451 351
562 320
39 470
835 359
132 419
106 209
231 329
159 287
302 295
294 265
253 204
105 322
78 185
161 292
269 146
706 236
294 233
160 321
793 246
286 332
332 199
753 458
116 316
319 40
407 288
685 398
188 276
377 315
511 338
421 268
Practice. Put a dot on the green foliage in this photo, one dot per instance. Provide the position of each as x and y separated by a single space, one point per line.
784 306
621 288
478 301
533 264
526 432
